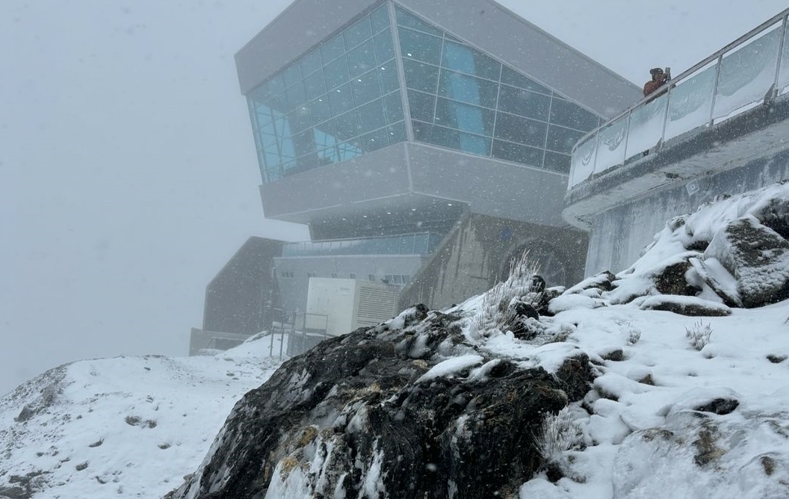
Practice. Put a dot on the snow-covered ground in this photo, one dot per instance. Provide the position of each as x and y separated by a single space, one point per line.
682 407
661 379
133 427
125 426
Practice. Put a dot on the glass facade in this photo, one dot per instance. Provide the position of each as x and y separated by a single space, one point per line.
338 101
463 99
343 99
407 244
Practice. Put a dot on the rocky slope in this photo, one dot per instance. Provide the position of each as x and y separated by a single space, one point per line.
486 400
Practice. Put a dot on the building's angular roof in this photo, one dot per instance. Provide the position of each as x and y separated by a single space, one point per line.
481 23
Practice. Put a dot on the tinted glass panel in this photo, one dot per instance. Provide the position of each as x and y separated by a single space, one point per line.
336 73
380 19
310 62
468 89
374 140
571 115
458 140
420 76
314 85
419 46
296 95
303 143
563 139
387 74
299 119
258 95
361 59
557 162
384 48
512 77
521 130
393 107
344 127
332 49
371 116
323 139
397 133
467 60
267 140
421 106
320 110
366 88
272 155
275 85
474 144
517 153
307 162
524 103
263 115
464 117
291 75
279 103
358 33
406 19
341 99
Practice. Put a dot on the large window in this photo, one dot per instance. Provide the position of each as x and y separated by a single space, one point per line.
463 99
343 99
338 101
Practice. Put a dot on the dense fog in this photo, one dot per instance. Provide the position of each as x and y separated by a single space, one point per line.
128 174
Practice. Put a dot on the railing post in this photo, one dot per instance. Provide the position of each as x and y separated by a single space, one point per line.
718 66
781 43
596 151
665 117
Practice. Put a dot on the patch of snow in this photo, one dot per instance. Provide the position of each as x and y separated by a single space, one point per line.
451 366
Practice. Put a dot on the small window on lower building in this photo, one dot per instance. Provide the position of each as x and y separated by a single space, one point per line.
334 275
371 277
352 275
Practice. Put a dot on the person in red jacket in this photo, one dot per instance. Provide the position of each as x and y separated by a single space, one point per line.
659 78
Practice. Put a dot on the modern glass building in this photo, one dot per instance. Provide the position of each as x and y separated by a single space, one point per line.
444 124
345 97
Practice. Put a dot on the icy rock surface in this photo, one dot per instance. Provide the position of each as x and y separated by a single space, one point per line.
412 408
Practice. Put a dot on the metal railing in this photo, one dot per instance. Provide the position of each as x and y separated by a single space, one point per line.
751 70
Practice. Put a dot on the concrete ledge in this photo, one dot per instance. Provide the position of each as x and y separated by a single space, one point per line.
755 133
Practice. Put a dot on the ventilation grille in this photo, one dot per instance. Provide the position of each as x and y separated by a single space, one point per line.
376 304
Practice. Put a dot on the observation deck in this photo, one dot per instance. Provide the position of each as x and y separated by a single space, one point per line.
716 129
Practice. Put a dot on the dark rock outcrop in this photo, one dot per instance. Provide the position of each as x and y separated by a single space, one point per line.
757 257
405 412
671 280
690 306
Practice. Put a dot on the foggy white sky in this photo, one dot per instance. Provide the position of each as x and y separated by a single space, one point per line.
127 168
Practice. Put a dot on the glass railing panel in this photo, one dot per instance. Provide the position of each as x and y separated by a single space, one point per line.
747 73
583 160
690 102
611 145
646 126
405 245
421 243
783 75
